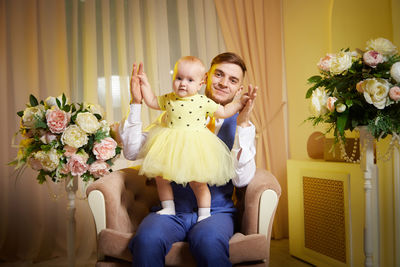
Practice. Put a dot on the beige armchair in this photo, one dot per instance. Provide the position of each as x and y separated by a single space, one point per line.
120 200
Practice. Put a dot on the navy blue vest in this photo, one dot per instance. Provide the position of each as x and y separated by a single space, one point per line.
221 196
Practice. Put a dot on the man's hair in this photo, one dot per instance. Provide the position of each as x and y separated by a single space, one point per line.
229 57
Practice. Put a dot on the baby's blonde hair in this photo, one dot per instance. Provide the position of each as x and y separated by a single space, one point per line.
190 59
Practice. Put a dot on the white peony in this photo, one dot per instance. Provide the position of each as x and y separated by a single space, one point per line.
31 114
383 46
341 63
318 102
395 71
74 136
49 159
376 91
87 122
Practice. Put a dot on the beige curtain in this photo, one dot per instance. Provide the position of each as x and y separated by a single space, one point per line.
253 29
84 49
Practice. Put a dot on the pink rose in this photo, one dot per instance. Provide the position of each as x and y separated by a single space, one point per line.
99 168
35 164
57 120
360 87
77 165
330 103
372 58
105 149
69 150
394 93
325 62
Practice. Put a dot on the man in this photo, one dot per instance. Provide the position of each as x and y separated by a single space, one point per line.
208 239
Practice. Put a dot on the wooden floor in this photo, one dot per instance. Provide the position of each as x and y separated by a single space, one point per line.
279 258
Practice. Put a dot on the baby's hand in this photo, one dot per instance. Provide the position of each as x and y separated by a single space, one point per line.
144 82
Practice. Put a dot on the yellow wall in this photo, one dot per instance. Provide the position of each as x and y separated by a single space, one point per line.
313 28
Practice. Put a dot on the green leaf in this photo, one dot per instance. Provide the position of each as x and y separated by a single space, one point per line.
64 99
40 124
99 135
33 101
314 79
342 121
98 116
109 162
91 159
349 102
41 177
118 150
20 113
73 108
58 103
67 108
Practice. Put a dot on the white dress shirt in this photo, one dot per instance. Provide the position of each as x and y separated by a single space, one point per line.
133 139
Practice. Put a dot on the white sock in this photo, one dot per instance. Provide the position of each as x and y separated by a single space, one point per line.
203 213
168 208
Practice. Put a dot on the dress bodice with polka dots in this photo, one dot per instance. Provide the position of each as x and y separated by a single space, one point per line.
188 112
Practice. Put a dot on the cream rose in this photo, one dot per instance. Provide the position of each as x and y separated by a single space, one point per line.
99 168
57 120
74 136
395 71
341 63
77 164
87 122
376 91
394 93
318 102
383 46
372 58
330 103
31 114
325 62
105 149
48 159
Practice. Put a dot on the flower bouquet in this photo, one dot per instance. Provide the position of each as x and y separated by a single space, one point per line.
62 140
358 88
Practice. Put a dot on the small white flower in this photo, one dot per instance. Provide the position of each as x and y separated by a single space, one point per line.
395 71
104 127
318 102
340 107
74 136
88 122
341 63
94 109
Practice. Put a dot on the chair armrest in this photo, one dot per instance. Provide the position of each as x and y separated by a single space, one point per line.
126 198
261 199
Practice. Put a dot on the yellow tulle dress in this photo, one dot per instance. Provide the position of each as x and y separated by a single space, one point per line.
182 149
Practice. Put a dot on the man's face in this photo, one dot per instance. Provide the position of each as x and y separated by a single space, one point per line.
223 81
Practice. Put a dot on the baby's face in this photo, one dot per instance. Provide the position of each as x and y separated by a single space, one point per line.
188 79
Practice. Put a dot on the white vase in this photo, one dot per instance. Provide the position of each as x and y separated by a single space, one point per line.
71 185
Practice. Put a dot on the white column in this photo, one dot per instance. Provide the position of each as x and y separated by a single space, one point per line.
369 169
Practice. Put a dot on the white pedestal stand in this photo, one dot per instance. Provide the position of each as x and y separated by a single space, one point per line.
71 186
371 231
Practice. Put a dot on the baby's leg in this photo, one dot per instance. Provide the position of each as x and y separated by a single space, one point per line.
203 197
166 196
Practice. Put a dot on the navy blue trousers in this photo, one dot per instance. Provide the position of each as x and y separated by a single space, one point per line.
208 239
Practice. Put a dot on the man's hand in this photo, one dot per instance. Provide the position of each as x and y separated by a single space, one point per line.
136 93
243 119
